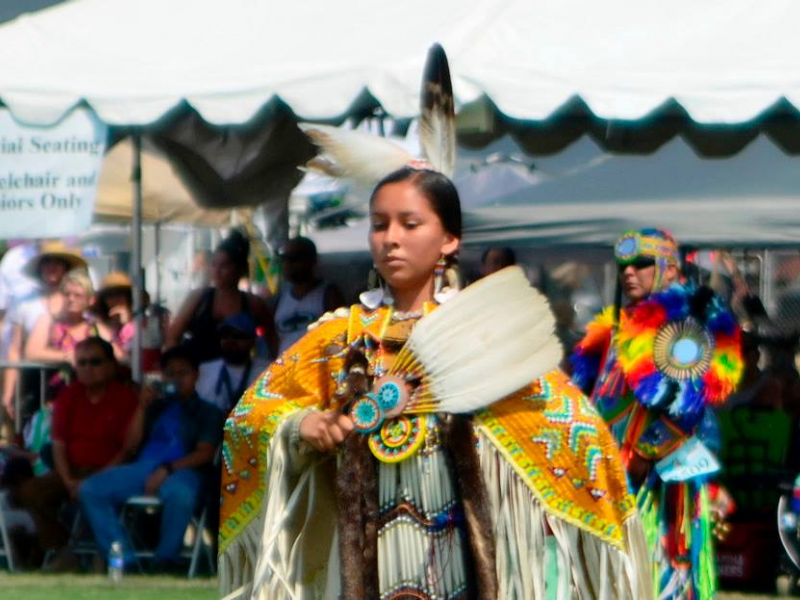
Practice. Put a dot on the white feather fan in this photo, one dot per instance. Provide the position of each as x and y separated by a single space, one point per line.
492 339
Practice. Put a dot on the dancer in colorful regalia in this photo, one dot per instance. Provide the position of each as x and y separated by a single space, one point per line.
396 452
653 368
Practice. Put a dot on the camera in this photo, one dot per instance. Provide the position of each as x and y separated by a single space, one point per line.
163 389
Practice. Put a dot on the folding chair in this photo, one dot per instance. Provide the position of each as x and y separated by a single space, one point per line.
129 517
6 549
81 539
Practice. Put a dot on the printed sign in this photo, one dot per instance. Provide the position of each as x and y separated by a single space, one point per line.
692 459
49 175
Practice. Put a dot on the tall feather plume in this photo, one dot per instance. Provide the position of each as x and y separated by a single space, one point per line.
437 114
363 157
492 339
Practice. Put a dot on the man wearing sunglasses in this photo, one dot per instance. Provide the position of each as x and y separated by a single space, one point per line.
91 418
652 364
223 381
176 434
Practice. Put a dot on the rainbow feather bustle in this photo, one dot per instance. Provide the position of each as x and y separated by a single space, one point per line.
653 394
707 381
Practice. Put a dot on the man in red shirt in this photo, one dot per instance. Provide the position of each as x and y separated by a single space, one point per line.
90 423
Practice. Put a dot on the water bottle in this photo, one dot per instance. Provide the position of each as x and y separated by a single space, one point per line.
116 563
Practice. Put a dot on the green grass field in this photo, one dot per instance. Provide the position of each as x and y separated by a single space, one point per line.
30 586
35 586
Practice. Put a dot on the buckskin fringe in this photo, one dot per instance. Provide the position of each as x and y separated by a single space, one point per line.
536 550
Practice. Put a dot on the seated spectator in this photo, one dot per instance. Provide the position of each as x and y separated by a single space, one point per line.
36 440
18 464
47 269
91 418
205 309
178 434
223 381
303 297
114 309
494 259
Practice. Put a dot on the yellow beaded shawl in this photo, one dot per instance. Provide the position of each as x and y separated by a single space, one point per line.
554 440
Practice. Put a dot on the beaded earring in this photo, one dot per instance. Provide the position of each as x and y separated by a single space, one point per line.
377 291
445 279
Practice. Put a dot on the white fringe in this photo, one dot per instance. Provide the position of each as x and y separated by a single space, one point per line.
282 550
235 566
283 554
587 568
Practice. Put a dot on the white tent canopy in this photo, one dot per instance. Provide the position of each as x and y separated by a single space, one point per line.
586 197
720 62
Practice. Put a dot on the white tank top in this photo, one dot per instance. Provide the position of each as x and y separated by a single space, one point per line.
294 315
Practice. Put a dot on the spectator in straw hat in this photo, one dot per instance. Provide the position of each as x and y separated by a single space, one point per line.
114 308
48 268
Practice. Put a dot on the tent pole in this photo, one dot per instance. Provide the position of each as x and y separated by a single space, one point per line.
138 271
156 299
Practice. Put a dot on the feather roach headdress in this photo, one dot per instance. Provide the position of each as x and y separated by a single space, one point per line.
367 158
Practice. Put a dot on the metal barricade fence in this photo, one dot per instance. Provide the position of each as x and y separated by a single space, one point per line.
27 365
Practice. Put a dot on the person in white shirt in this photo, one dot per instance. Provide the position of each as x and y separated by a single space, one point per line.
223 381
303 297
16 286
47 268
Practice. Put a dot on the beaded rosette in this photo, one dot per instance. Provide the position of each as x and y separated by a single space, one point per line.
680 348
398 438
393 436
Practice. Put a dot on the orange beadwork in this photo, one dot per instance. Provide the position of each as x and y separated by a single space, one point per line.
582 482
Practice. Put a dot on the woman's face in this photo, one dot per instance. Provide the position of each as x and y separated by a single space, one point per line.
51 270
224 273
406 236
114 299
76 299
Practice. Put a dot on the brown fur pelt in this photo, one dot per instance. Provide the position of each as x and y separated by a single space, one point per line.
357 496
357 491
460 440
359 512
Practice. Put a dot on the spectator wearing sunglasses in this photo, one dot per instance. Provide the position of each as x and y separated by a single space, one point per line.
91 418
223 381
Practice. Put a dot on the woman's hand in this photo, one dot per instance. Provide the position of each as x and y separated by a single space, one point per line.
324 431
121 315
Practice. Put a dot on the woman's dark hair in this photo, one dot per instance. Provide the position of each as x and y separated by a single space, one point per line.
237 247
437 188
97 342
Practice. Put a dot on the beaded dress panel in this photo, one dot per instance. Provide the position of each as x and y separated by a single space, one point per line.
422 546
